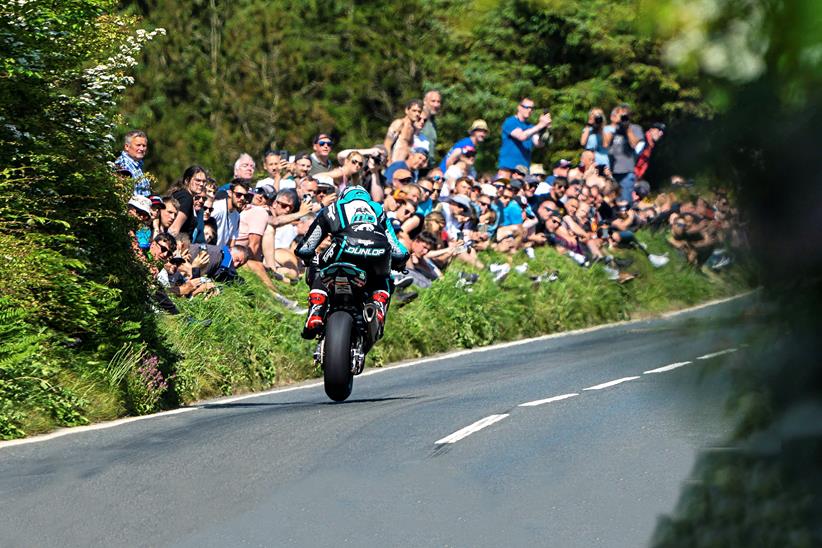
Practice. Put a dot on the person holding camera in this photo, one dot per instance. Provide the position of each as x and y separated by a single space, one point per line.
592 137
624 142
519 137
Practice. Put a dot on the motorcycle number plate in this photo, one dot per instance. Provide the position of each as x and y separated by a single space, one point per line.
342 286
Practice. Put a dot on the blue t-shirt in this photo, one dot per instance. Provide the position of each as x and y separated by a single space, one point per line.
425 207
512 214
514 152
464 142
389 171
600 152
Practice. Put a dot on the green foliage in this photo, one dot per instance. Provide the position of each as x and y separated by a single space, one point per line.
68 277
241 76
243 339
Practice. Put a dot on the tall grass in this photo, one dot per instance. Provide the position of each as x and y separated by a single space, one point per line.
252 342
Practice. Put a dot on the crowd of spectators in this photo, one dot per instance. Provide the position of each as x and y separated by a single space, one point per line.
203 230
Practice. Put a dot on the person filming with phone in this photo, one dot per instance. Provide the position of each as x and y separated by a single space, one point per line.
624 142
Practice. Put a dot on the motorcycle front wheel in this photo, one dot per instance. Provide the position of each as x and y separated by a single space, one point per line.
337 376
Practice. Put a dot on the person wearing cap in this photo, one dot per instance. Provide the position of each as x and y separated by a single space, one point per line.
537 170
431 105
403 128
519 137
416 160
321 157
476 135
135 146
652 137
462 164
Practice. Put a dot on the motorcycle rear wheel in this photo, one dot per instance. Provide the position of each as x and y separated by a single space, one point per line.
337 376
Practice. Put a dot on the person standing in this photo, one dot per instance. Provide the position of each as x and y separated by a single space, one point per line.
431 105
476 135
624 142
321 157
135 146
519 137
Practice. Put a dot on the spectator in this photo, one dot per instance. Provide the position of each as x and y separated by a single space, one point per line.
135 146
273 165
244 166
462 164
167 214
403 128
412 165
221 263
652 137
190 184
320 158
227 210
420 268
431 105
624 142
476 135
538 171
139 208
592 137
349 173
519 137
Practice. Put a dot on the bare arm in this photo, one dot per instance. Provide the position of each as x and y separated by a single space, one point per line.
178 223
633 138
522 134
392 134
255 244
608 137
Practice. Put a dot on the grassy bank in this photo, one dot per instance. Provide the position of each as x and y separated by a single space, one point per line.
251 342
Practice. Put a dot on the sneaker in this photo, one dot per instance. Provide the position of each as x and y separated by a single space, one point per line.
625 277
502 272
402 299
496 267
658 261
554 276
530 252
577 257
611 273
403 282
521 268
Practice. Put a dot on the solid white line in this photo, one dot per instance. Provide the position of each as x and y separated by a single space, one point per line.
99 426
374 371
470 429
666 367
610 383
547 400
715 354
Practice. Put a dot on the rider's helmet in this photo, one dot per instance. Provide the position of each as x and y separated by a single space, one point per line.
354 193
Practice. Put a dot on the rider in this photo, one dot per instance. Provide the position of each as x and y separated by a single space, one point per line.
362 235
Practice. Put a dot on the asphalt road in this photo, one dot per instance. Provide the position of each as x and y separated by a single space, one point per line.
594 468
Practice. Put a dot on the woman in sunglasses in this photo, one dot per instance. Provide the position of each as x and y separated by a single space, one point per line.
191 184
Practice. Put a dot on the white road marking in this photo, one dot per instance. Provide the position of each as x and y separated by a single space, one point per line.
610 383
666 367
471 429
399 365
715 354
547 400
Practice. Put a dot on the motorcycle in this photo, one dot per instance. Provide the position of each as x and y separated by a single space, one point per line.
351 329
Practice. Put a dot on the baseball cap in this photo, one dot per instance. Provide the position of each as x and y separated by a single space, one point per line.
324 180
488 190
420 150
468 149
562 163
140 203
157 201
461 200
542 188
478 125
265 190
522 170
516 184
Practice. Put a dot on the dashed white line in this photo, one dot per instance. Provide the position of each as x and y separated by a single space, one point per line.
715 354
610 383
547 400
471 429
666 367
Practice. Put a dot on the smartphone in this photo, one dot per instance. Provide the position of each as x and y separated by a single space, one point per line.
283 154
307 198
291 159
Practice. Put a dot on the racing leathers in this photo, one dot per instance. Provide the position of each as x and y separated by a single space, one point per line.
362 235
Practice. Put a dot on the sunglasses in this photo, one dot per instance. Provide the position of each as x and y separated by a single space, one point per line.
242 195
209 209
282 204
506 197
486 204
325 143
527 107
164 249
200 198
405 180
357 162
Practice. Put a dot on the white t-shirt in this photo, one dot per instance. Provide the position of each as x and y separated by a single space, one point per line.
228 223
284 235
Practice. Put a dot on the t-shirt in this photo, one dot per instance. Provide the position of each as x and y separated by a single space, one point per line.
389 171
464 142
317 166
512 214
429 131
284 236
623 156
514 152
186 206
228 222
594 143
253 220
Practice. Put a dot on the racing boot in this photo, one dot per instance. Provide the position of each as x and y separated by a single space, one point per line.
316 313
380 298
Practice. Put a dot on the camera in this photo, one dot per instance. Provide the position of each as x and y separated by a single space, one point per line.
177 260
625 118
598 120
601 169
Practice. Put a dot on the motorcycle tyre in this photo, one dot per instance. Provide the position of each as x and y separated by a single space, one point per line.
337 376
